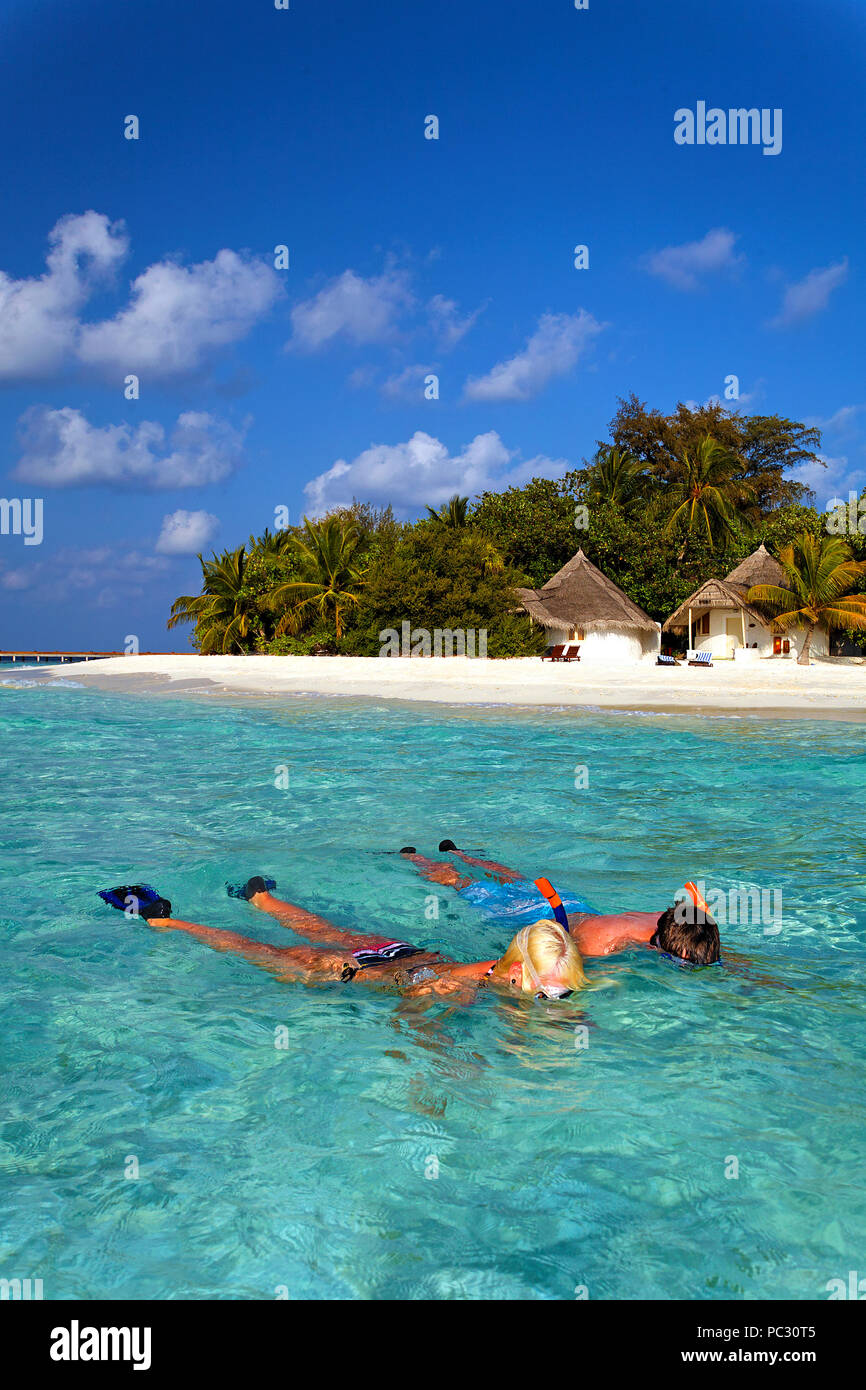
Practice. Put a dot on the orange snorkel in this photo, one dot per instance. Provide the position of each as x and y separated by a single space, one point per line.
546 888
698 899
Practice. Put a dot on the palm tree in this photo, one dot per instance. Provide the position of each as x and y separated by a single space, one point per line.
707 492
271 543
820 572
491 559
616 476
223 611
451 513
330 560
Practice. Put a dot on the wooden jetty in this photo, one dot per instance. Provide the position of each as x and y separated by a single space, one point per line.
70 656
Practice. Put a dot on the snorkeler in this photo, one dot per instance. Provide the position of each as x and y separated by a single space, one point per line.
542 960
686 931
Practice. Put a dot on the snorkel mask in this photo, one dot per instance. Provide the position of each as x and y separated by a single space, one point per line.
542 991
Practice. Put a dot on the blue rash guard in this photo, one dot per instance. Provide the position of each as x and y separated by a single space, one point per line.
520 902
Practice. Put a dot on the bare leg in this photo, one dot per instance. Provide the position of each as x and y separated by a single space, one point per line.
497 871
314 927
438 871
287 962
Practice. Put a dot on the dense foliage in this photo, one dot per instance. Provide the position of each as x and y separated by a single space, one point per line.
666 503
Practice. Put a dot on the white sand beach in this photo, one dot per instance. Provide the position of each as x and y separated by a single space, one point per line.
826 689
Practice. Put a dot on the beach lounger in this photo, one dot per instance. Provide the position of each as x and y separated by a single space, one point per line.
553 653
571 654
702 659
667 661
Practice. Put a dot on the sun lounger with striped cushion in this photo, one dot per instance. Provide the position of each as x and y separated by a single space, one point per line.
702 659
667 661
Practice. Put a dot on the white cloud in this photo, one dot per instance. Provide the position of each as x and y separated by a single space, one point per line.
186 533
843 421
748 397
553 350
105 576
684 266
361 378
446 321
363 311
829 477
18 579
39 317
407 385
62 449
102 576
176 315
810 295
95 565
731 406
179 314
422 472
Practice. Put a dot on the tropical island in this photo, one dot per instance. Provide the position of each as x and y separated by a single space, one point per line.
687 533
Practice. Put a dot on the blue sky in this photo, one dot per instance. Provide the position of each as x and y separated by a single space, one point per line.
300 387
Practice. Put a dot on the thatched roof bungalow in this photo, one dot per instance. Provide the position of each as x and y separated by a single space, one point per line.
719 619
580 604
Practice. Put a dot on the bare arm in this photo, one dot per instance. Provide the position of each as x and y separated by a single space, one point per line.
601 934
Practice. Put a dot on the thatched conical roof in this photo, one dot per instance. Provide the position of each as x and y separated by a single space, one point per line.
714 593
758 568
579 595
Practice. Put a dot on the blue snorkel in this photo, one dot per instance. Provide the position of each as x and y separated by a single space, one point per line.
547 890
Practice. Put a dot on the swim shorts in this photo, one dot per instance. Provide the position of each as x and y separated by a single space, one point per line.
519 901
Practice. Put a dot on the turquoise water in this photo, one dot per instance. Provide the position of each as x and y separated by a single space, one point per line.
559 1166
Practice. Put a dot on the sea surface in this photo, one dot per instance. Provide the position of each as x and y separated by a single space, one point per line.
176 1123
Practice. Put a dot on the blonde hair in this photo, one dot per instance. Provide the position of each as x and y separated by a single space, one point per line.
549 957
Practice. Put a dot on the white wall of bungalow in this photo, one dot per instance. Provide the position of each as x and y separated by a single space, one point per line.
720 631
718 618
609 647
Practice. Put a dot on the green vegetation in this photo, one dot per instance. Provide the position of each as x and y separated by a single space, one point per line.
452 513
821 573
224 612
330 565
707 494
666 502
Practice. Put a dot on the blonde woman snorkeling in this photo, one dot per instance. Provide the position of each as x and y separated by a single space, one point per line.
541 961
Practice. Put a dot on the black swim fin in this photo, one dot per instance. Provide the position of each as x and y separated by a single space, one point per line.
253 885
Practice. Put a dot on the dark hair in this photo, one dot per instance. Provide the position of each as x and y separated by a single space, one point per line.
693 933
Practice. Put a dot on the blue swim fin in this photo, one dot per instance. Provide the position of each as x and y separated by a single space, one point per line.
138 899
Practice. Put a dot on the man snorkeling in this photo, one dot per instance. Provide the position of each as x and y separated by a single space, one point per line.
542 960
686 930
